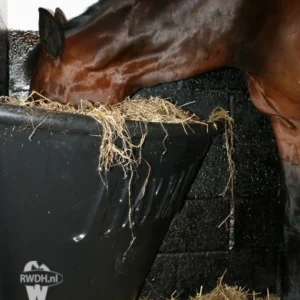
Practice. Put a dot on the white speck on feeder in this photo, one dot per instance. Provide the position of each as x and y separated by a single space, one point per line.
79 237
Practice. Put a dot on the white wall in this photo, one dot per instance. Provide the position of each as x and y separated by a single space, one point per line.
23 14
3 10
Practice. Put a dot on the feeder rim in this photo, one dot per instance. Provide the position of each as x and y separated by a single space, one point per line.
55 121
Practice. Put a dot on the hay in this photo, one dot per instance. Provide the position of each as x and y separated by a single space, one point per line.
224 292
113 121
221 114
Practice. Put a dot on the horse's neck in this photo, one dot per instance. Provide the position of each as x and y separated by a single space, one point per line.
187 37
162 41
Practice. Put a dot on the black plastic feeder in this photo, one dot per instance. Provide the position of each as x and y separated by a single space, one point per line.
61 224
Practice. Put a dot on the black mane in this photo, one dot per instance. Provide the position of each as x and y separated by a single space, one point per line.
89 15
70 27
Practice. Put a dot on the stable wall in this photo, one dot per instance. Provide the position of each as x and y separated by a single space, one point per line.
3 49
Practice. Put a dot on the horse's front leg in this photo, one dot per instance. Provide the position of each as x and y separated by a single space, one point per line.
291 271
285 118
288 139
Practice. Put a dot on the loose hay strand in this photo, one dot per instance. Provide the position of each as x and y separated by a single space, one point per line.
221 114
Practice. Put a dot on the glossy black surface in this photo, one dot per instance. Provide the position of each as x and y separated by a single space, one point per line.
55 208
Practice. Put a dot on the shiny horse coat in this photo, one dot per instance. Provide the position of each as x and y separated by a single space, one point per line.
119 46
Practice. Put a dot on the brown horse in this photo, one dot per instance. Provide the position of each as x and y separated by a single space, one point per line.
119 46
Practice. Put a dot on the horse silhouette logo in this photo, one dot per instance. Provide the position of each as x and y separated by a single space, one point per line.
38 279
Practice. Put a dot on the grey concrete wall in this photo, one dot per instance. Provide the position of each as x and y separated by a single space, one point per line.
3 49
21 42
